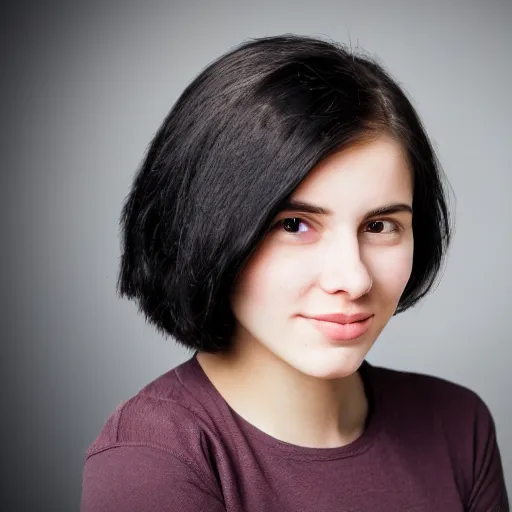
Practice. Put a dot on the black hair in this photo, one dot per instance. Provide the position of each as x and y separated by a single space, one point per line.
234 147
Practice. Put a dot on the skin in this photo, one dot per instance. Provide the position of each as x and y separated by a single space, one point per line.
284 375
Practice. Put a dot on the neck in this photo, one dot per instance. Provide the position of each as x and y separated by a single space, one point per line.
285 403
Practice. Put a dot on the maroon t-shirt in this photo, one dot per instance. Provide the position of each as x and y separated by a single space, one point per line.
428 445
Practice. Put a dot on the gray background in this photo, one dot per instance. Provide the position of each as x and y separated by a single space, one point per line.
85 86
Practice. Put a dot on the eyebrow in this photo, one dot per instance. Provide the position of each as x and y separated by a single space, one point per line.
301 207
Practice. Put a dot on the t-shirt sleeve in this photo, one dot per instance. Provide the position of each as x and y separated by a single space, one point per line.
488 492
144 478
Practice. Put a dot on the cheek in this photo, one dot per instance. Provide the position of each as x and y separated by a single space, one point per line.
391 270
266 282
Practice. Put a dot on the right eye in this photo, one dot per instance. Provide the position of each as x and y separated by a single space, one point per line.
293 225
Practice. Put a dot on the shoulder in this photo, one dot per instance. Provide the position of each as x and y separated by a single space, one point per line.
164 415
449 420
444 412
152 451
427 392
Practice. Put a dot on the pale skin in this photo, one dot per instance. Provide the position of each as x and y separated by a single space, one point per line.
283 375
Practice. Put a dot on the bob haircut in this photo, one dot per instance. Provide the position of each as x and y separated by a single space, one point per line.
238 141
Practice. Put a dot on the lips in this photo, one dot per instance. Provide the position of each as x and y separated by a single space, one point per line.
339 327
340 318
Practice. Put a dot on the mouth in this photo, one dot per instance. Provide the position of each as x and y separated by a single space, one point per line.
341 318
342 331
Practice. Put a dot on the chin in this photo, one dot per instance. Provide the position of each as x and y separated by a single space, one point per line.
329 363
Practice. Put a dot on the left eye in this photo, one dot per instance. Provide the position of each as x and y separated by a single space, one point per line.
381 226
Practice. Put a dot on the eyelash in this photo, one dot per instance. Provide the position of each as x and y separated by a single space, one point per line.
279 224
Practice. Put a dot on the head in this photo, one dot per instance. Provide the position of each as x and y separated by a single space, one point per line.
255 206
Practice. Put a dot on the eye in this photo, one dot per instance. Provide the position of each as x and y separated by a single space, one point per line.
382 226
293 225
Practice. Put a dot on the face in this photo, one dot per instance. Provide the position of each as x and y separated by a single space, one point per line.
342 247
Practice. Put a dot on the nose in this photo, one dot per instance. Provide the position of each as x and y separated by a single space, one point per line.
343 269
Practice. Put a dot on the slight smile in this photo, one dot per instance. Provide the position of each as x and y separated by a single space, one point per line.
342 330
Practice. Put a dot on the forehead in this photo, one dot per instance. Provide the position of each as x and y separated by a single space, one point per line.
359 177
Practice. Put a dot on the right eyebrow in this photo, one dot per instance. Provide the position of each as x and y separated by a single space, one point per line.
301 207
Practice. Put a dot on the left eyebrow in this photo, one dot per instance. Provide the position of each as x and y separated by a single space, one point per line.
389 209
301 207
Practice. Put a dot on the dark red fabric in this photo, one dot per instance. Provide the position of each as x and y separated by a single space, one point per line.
429 445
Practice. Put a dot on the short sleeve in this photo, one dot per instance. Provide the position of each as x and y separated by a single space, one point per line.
143 479
488 492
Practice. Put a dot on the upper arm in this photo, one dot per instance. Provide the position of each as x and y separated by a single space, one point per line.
143 478
488 491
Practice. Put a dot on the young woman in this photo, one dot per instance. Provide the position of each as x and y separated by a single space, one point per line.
289 205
